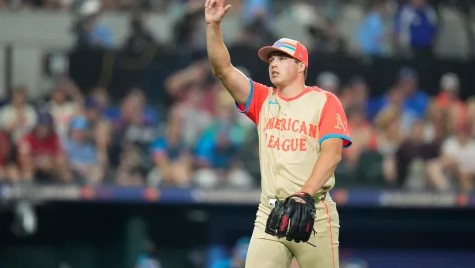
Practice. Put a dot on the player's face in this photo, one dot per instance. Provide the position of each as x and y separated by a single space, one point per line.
282 69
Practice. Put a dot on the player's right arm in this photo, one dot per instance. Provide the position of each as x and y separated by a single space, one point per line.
235 81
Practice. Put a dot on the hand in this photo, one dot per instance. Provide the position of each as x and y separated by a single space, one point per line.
293 218
215 11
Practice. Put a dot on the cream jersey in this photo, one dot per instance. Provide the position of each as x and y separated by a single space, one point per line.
291 131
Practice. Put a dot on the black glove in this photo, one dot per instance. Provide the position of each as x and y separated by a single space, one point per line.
292 218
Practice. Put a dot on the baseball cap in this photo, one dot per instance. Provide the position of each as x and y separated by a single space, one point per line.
90 7
449 81
291 47
407 73
91 103
80 123
45 119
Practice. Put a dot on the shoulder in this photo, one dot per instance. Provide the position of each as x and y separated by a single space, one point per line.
321 95
259 86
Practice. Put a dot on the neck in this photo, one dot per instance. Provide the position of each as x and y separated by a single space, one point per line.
292 90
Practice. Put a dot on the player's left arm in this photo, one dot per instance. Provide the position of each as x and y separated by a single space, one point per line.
328 159
333 137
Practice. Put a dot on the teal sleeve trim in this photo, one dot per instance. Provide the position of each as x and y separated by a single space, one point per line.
249 99
346 140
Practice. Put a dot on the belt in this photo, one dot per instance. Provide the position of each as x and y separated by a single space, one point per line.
317 198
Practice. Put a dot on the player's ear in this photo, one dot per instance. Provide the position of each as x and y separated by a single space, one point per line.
302 67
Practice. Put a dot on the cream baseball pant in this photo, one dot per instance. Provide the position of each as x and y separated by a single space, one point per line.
267 251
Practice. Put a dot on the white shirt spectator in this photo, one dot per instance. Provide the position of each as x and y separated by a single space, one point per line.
62 115
464 154
17 121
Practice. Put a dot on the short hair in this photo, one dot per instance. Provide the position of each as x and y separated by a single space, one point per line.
304 72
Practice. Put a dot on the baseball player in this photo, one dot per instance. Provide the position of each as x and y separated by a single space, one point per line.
302 131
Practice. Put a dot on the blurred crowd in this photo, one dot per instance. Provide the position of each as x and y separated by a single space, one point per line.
403 139
353 27
69 137
406 138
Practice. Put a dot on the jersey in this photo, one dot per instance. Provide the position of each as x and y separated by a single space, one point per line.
291 131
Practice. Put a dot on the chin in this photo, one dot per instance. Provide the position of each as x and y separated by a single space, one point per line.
276 82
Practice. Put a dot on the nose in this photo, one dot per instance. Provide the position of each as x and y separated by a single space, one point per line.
272 64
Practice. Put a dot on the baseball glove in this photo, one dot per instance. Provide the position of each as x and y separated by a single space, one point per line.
292 218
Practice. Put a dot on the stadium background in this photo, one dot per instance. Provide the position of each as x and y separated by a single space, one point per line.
123 79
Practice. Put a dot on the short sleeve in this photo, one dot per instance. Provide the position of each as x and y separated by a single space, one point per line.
257 96
333 122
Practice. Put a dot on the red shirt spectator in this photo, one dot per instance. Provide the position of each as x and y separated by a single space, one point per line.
449 100
39 147
40 153
4 148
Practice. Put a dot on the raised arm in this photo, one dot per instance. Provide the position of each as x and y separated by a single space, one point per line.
234 80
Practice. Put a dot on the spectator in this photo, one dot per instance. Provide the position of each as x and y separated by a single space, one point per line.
197 76
413 158
406 97
448 100
89 32
355 94
389 137
41 156
131 170
140 46
18 117
219 149
415 100
256 10
82 154
65 103
92 111
8 169
458 153
329 40
437 125
138 122
257 33
171 157
188 33
371 31
99 99
328 81
194 75
449 91
362 134
415 28
194 117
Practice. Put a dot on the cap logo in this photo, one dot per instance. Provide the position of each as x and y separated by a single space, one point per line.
285 46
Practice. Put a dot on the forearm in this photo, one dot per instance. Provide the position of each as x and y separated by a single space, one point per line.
62 167
217 52
27 168
322 171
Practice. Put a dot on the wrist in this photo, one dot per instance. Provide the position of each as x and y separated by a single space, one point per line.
309 190
214 24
